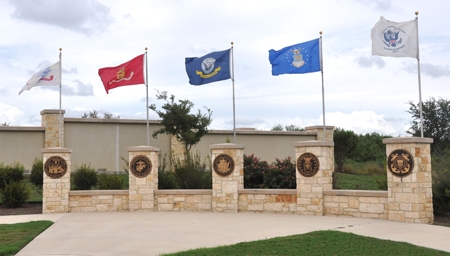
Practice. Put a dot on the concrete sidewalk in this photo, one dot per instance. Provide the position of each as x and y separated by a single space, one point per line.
152 233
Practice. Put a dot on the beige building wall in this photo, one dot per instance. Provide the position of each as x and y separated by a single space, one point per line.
22 144
102 142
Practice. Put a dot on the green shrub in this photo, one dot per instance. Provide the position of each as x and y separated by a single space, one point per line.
281 174
192 172
441 185
84 178
10 173
254 170
167 180
14 194
106 181
37 172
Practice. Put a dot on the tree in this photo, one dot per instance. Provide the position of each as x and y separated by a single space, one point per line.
370 147
177 120
4 124
291 127
436 123
277 127
95 114
344 143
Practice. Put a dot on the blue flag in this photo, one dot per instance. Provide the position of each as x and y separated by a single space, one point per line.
296 59
210 68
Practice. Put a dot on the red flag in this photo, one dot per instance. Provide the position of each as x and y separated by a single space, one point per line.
128 73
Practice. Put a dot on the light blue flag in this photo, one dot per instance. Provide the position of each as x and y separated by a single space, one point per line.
296 59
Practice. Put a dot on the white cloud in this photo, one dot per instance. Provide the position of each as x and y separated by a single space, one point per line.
10 115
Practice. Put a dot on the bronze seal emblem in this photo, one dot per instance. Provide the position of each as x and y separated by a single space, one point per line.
223 165
400 163
55 167
140 166
308 164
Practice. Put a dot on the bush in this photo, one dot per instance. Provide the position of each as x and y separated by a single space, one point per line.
84 177
441 185
281 174
254 171
106 181
167 180
37 172
14 194
10 173
192 173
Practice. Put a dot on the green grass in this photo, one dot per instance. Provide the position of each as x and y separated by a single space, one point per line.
317 243
355 181
35 192
13 237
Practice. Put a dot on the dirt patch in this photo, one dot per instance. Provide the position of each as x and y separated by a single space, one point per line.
30 208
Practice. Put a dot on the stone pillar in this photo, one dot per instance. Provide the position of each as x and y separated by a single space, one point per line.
227 176
319 130
410 197
50 121
314 170
143 177
56 187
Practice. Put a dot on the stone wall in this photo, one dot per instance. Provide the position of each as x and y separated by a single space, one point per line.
183 200
98 201
356 203
268 200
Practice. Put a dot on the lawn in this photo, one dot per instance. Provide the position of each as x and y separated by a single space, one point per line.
316 243
356 181
13 237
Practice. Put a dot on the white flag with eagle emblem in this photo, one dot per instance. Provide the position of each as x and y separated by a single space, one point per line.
48 76
395 39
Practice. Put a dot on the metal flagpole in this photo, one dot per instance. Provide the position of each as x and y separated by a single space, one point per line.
61 144
146 89
323 90
418 73
232 80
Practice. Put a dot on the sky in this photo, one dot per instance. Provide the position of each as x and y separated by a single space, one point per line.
362 92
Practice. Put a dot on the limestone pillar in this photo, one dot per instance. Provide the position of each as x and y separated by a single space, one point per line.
319 130
410 197
227 176
56 186
314 170
50 121
143 177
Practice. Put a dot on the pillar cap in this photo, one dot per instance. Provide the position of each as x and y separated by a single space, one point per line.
52 111
313 143
406 140
227 146
143 148
56 150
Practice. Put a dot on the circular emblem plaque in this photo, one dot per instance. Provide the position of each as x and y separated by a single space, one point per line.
223 165
308 164
55 167
140 166
400 163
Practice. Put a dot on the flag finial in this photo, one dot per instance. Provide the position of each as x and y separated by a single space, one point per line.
417 13
60 49
320 32
146 48
232 43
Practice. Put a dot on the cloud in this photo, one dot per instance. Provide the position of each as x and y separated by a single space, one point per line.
380 5
362 122
245 121
10 114
71 71
80 89
366 62
428 69
3 91
83 16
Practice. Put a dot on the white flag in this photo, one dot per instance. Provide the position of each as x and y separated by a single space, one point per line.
47 76
395 39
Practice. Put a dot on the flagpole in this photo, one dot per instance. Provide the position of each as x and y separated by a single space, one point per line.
232 81
323 90
418 74
146 91
61 144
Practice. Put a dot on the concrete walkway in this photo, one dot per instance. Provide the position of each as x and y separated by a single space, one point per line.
153 233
